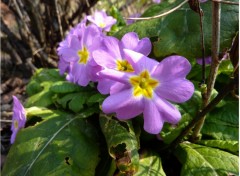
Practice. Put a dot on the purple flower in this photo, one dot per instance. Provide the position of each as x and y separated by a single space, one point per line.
76 53
133 16
103 21
148 90
157 1
208 60
202 1
111 56
18 118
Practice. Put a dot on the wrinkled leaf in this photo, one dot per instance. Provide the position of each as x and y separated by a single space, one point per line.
38 87
74 101
150 164
223 122
65 87
207 161
231 146
122 143
96 98
179 31
61 145
43 98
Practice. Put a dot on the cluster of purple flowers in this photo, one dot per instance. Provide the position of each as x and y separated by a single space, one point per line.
136 83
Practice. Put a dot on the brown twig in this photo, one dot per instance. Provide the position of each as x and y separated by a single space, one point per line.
160 15
216 12
226 90
226 2
59 19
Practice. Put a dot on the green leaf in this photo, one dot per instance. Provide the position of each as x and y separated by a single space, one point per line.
74 101
42 112
96 98
43 98
33 87
207 161
231 146
150 164
122 143
61 145
170 132
175 33
65 87
188 111
39 87
223 122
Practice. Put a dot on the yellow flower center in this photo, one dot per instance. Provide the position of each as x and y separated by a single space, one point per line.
102 25
143 84
123 65
83 55
15 123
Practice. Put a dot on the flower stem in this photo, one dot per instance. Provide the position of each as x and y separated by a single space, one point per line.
216 15
225 91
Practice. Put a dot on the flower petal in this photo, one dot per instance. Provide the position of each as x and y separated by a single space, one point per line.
13 136
117 87
144 46
172 67
130 41
68 54
153 122
90 35
139 61
112 47
119 101
122 77
104 59
168 112
80 74
179 90
104 85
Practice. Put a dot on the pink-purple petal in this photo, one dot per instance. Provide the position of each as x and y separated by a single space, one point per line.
139 61
144 46
90 35
171 68
153 121
168 112
104 59
178 90
112 47
19 116
115 75
119 101
81 74
104 85
130 40
117 87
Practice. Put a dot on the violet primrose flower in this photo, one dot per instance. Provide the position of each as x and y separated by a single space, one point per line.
76 52
18 118
114 58
202 1
103 21
208 60
133 16
148 90
157 1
